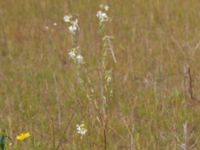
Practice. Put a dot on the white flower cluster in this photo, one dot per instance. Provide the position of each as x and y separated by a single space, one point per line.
74 27
73 54
81 129
102 15
67 18
104 7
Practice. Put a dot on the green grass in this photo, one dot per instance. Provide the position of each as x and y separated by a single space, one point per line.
38 89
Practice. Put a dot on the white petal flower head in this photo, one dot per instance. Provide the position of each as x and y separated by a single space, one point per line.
79 59
99 13
72 54
102 16
81 129
72 29
105 7
67 18
74 26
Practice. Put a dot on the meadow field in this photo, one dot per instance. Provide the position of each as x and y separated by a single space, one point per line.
123 76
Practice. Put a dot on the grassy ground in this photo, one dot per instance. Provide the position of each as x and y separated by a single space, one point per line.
150 109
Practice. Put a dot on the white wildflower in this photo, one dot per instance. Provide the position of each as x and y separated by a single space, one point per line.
81 129
72 29
74 26
67 18
105 7
79 59
102 16
72 54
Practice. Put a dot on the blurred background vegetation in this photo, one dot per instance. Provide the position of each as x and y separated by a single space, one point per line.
153 41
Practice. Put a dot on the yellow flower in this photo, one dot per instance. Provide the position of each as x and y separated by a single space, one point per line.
23 136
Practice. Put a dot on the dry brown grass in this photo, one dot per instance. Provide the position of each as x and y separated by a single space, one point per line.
153 40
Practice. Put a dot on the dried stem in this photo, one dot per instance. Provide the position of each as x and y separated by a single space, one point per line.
188 82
